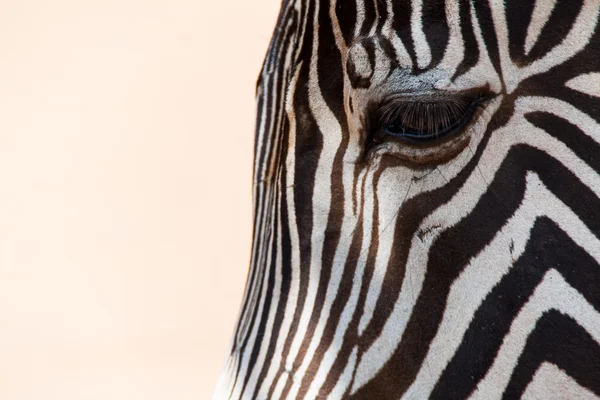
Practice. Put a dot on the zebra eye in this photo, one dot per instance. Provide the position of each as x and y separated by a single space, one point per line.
423 121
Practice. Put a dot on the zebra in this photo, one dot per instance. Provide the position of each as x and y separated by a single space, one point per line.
426 204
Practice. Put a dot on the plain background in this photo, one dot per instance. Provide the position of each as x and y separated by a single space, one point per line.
126 132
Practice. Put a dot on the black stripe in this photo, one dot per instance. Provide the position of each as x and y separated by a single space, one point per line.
351 337
436 30
286 273
486 23
345 11
548 248
401 24
518 18
586 148
331 81
556 29
307 155
263 318
558 339
369 15
471 53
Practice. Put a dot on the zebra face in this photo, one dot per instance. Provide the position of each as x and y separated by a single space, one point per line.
427 214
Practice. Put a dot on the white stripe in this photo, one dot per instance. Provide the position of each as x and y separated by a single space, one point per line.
552 383
455 49
254 338
421 46
586 83
349 219
461 205
390 201
484 68
360 17
383 347
350 306
258 197
321 200
373 30
402 56
541 13
272 310
292 299
562 109
342 385
478 279
576 40
553 293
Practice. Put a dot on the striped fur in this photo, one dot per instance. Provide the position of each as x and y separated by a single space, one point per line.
465 271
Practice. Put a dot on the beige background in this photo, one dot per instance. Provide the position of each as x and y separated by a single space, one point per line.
126 131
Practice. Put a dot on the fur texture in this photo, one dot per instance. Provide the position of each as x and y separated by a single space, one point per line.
467 267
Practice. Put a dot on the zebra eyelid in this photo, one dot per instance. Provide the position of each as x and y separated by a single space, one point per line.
436 149
425 119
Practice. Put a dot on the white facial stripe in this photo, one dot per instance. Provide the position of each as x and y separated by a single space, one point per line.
586 83
375 357
576 40
292 300
360 59
390 203
478 279
422 49
351 304
459 206
551 383
346 378
360 16
455 50
484 68
332 137
373 30
290 111
348 225
460 310
387 25
237 393
561 109
402 56
553 293
541 13
272 310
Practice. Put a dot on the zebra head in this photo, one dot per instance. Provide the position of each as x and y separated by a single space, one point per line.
426 201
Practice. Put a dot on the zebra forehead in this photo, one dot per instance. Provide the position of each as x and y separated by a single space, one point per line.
450 37
373 61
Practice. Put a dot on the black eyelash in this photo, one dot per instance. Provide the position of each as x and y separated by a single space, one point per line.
427 119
